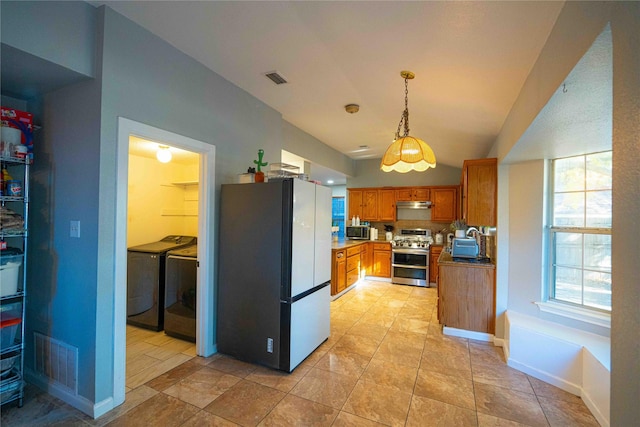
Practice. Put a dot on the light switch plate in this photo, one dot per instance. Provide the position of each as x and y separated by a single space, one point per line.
74 229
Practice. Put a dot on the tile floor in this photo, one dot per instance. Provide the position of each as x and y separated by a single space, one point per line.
386 363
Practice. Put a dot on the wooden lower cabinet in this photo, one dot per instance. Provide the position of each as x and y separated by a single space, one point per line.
365 259
434 254
339 272
466 297
356 262
381 260
353 264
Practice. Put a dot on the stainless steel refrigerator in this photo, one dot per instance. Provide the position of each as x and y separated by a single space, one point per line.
274 271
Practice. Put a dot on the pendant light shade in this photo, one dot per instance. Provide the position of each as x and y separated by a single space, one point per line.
407 153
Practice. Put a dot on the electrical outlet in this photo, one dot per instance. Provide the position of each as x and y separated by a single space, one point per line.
269 345
74 229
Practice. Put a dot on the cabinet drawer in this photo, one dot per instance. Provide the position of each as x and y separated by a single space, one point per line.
352 277
381 247
353 263
353 251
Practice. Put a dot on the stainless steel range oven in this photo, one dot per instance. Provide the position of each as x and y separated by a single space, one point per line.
410 257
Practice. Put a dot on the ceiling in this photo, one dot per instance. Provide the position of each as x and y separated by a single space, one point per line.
470 60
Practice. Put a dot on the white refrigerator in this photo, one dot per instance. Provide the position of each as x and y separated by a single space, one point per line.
274 271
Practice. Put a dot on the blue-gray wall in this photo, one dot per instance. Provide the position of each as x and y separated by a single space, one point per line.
368 174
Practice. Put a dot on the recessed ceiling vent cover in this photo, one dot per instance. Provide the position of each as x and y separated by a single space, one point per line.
275 77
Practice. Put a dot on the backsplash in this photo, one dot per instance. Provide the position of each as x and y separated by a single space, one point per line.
398 225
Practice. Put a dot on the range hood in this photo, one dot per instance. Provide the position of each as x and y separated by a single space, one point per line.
413 205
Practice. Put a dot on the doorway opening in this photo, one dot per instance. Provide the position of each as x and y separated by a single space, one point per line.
129 134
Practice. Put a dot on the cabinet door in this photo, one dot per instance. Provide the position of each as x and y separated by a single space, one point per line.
382 263
341 274
370 205
386 205
433 263
365 260
404 194
355 204
421 194
443 207
479 178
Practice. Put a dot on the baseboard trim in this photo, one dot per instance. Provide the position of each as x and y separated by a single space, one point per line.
595 411
462 333
82 404
546 377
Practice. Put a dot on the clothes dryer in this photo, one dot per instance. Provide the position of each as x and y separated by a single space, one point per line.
180 293
145 280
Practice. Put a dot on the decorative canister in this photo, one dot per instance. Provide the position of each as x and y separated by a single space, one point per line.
14 188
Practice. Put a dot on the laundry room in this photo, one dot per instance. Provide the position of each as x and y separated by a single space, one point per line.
162 230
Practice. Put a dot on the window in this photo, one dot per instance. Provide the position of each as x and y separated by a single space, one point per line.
580 232
337 214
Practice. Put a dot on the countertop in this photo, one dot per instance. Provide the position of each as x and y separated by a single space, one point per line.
446 259
344 244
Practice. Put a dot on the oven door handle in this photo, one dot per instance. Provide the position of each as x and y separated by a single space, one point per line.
417 267
411 251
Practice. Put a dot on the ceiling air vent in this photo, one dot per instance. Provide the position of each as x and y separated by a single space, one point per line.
276 78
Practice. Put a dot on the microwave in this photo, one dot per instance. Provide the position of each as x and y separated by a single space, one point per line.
357 232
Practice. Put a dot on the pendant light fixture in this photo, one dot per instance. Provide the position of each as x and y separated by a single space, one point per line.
163 154
407 153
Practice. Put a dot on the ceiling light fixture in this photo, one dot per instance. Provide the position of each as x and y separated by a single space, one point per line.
352 108
163 154
407 153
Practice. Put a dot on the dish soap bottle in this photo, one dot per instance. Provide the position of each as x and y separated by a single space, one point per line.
5 178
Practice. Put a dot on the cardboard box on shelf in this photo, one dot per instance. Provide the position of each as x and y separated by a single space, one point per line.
22 121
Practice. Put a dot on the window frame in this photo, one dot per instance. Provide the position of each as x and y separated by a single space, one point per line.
551 304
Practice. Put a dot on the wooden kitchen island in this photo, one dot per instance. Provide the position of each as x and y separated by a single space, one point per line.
466 295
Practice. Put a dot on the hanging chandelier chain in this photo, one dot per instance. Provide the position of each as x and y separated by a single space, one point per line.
405 114
406 107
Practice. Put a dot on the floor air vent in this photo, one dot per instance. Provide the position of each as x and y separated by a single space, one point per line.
57 361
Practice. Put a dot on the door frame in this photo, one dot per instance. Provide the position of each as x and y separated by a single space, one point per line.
205 295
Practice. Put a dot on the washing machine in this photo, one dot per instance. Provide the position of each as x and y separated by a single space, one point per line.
181 277
145 280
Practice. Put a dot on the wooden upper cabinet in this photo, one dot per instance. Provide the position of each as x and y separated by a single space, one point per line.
479 191
404 194
444 203
355 204
372 204
409 194
421 194
386 205
369 205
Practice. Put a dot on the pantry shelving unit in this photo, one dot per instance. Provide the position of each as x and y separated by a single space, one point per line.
12 297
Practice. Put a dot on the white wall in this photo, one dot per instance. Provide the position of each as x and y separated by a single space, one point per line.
158 207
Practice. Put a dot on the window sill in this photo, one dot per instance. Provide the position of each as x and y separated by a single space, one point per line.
576 313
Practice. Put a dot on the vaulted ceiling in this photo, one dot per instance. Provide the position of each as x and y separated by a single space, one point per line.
470 60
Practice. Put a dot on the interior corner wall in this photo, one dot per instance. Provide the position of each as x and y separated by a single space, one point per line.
368 174
502 251
625 319
185 98
525 227
29 29
300 143
577 26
